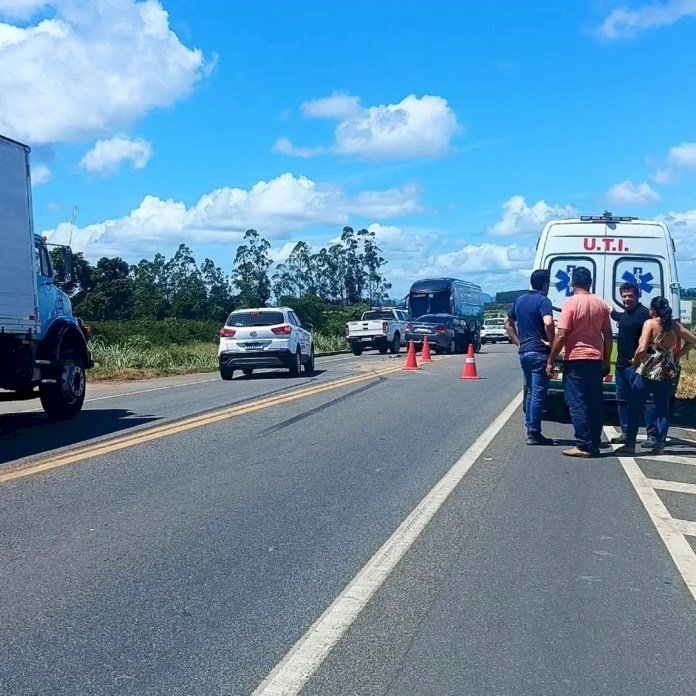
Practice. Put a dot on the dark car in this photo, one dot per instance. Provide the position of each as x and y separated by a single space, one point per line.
446 333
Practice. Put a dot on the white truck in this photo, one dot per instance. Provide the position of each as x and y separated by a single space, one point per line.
42 344
381 329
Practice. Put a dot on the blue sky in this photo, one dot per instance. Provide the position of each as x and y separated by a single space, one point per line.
454 129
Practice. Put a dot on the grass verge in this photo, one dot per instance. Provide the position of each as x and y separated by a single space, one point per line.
137 358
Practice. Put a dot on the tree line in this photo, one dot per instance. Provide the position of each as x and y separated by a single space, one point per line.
348 272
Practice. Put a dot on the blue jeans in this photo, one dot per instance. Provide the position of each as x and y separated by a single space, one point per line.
537 387
624 388
661 392
582 382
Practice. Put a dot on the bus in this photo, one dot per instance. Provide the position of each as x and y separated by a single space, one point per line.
460 298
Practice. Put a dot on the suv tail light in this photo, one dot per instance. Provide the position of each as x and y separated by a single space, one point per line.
385 327
227 333
440 329
282 330
409 326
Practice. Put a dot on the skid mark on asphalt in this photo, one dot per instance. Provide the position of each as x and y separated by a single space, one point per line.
674 531
323 407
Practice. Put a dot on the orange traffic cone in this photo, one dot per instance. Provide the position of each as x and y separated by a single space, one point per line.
425 353
469 371
411 363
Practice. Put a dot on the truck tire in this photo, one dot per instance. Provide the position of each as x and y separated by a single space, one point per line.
383 348
395 347
64 399
226 374
356 349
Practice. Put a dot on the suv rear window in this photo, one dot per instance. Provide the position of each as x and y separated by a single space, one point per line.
371 316
255 319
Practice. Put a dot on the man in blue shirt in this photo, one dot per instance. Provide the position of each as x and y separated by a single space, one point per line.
530 326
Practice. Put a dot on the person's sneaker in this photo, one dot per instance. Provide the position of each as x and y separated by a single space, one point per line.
576 452
648 444
619 439
628 449
540 440
658 449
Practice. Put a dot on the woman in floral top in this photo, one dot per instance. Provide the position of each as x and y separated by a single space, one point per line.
654 370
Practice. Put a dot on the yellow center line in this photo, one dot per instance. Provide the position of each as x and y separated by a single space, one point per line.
181 426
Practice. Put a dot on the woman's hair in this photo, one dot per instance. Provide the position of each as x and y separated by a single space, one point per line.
663 311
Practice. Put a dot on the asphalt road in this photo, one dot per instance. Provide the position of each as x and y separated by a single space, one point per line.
146 549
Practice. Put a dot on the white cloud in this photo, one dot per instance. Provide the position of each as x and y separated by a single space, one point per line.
628 193
683 155
106 156
625 23
663 177
338 106
276 208
285 147
682 225
679 158
93 68
40 174
522 220
415 128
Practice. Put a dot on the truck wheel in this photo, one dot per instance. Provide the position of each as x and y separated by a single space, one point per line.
64 399
383 348
357 349
296 365
395 347
226 374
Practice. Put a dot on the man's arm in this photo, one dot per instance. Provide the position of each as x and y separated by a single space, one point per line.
546 312
550 329
512 330
556 348
608 343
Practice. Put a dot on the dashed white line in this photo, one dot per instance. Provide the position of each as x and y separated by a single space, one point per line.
674 486
671 530
297 667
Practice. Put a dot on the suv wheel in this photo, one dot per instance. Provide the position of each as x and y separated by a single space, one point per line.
452 347
296 365
309 365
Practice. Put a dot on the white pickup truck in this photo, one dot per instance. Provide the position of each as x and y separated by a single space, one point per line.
382 329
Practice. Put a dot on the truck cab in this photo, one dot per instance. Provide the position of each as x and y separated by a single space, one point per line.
42 343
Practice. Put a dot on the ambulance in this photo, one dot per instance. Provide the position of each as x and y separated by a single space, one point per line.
615 250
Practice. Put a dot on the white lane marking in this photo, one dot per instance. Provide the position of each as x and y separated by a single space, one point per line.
296 668
674 486
666 458
131 393
672 535
686 527
167 386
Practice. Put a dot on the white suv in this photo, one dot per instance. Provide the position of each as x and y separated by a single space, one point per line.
265 338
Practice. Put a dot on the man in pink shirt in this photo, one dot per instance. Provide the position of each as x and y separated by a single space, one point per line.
584 330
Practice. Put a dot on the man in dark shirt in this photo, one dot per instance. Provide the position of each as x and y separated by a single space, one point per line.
630 323
530 326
